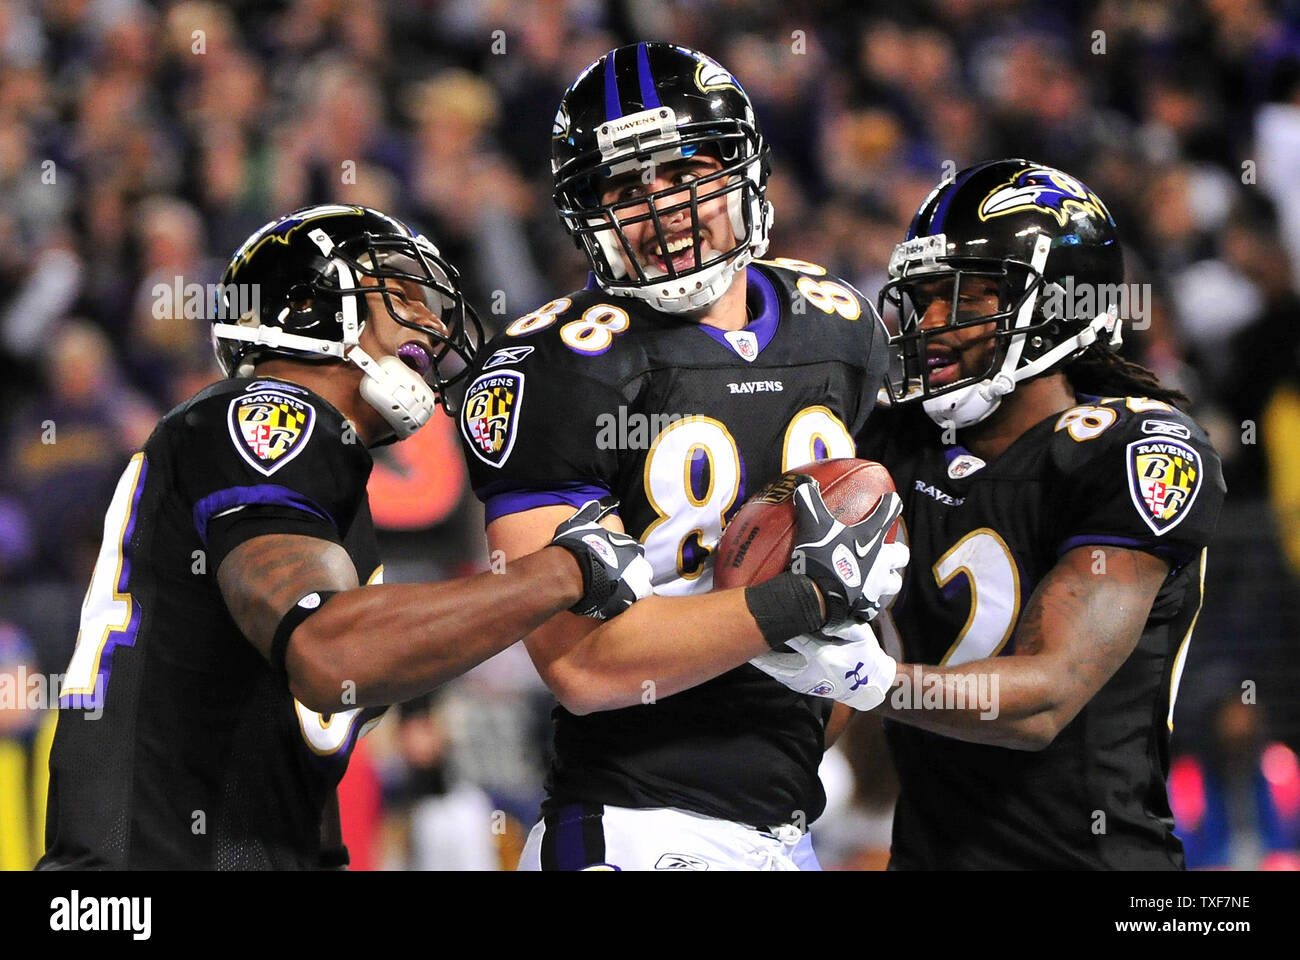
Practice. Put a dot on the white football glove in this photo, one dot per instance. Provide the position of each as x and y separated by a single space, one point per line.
844 664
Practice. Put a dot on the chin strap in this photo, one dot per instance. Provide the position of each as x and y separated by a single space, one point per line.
400 395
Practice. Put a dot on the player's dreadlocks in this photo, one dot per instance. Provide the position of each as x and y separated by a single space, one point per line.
1102 372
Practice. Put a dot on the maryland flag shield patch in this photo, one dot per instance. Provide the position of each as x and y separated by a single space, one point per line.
1164 476
490 414
270 428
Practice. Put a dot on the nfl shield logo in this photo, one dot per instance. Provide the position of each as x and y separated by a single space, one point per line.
1164 477
270 428
490 414
744 342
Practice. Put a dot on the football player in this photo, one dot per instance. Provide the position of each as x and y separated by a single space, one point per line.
682 378
228 658
1058 504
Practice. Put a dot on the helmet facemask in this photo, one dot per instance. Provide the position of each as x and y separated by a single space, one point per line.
600 228
1032 335
397 266
907 298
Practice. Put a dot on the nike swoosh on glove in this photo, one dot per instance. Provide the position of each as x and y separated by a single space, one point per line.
615 572
855 570
845 664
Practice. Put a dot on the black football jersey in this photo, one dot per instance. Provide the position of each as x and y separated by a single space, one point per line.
176 747
1123 472
599 397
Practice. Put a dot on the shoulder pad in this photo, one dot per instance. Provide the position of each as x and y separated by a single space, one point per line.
267 422
570 330
810 289
1166 456
1083 431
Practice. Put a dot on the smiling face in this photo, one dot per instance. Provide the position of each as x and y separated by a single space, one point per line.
672 250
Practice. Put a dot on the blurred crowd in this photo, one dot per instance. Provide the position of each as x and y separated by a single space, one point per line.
140 142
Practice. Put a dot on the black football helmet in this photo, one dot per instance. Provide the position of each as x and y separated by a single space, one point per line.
295 289
1050 245
647 104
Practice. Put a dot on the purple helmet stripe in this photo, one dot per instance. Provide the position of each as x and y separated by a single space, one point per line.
613 108
940 211
649 98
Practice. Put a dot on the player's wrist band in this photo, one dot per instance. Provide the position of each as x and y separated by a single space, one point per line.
784 607
299 612
596 585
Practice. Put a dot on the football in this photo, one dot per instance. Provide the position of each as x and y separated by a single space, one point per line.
756 545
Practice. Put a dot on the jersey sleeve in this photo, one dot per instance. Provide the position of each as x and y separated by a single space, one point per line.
538 426
1148 481
269 460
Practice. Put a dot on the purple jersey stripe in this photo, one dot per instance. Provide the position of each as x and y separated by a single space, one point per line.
649 98
1179 554
569 852
262 493
936 221
517 501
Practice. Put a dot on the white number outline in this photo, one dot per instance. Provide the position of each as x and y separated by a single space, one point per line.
830 297
839 443
539 319
1075 421
608 329
662 517
99 604
973 578
826 425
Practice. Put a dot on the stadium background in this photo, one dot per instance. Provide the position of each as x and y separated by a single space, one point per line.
141 142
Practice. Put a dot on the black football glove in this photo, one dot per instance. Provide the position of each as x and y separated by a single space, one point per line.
615 572
855 570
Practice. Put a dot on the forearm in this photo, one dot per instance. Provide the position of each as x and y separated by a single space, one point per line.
841 716
388 643
1078 627
661 646
1001 701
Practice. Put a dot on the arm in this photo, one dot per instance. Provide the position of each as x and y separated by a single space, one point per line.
674 642
386 643
1075 632
841 716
